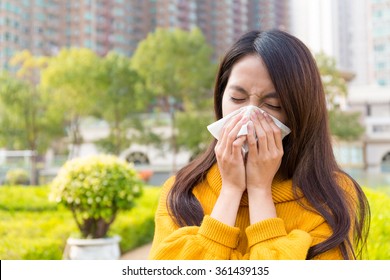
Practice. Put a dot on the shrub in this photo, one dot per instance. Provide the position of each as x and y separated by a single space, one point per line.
17 176
95 188
28 233
378 244
19 198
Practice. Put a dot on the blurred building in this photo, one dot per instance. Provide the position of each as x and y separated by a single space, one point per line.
362 30
380 24
356 33
45 26
373 102
38 27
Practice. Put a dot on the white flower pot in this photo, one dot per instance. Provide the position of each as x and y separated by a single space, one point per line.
92 249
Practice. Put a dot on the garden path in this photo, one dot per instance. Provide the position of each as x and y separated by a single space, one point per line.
140 253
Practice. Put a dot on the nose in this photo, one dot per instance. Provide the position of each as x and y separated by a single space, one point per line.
255 102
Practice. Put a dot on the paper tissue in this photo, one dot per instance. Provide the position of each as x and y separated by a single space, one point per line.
215 127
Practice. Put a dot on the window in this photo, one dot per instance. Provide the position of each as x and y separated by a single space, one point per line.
88 44
88 16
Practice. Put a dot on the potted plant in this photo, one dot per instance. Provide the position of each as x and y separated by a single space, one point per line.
95 188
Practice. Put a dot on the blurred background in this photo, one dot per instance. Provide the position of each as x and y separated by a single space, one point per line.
134 78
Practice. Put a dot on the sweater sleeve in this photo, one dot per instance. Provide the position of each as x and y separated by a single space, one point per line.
211 240
268 240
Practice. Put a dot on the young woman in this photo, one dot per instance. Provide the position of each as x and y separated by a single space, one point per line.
284 199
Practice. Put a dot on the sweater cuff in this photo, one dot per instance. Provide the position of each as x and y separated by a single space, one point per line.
264 230
219 232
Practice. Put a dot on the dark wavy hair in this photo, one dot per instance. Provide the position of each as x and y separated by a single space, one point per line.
308 155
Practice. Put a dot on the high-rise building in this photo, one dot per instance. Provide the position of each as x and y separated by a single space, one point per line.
265 14
45 26
356 33
380 26
34 25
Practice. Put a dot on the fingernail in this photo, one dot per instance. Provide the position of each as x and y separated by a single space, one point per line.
266 116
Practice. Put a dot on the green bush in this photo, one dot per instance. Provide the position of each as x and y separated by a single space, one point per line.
142 219
40 230
40 233
95 188
378 244
18 198
17 176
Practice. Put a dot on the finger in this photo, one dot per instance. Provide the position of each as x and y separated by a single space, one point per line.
265 123
262 141
229 125
231 134
276 131
252 142
237 146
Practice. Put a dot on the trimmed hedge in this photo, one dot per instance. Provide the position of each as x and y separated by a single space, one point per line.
32 228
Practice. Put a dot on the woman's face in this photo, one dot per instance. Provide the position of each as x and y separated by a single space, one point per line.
250 84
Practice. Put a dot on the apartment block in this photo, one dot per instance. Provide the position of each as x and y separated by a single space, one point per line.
33 25
45 26
380 25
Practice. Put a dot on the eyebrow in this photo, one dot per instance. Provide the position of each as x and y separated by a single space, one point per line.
242 90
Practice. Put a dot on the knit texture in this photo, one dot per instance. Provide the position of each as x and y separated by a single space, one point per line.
289 236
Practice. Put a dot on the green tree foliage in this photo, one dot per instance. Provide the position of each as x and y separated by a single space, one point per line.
178 71
176 63
334 84
25 117
193 133
120 99
344 125
72 78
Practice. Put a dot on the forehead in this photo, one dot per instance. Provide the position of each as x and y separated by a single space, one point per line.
251 72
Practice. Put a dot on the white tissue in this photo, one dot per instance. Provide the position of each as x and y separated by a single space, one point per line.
216 127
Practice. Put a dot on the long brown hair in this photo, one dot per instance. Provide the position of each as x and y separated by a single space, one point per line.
308 155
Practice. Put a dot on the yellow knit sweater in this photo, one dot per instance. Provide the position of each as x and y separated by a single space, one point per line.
289 236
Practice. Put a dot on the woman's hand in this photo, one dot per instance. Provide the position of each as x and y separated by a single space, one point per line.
263 161
231 166
264 155
229 156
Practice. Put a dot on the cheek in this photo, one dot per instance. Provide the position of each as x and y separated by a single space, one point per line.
282 117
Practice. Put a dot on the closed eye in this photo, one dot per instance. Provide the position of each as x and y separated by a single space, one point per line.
273 107
237 100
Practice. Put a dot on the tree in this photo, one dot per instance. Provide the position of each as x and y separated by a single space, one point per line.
193 133
72 78
176 63
334 84
120 99
178 71
344 125
25 118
